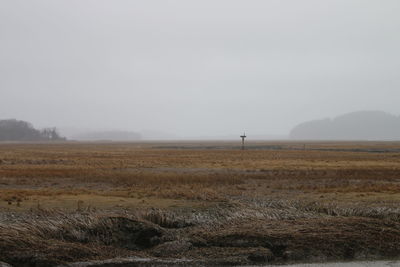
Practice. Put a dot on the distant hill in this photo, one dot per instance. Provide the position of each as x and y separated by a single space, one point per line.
108 136
361 125
15 130
158 135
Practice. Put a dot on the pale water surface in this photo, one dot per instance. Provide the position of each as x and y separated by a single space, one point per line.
348 264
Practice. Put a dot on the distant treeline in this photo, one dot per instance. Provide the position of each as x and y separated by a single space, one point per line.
362 125
108 136
15 130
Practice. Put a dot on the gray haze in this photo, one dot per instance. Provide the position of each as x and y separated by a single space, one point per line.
361 125
196 68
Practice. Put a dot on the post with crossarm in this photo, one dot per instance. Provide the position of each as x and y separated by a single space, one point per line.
243 137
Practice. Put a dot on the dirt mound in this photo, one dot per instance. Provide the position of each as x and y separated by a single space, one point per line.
173 248
53 240
130 234
319 239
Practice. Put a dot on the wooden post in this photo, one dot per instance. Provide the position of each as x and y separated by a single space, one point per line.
243 137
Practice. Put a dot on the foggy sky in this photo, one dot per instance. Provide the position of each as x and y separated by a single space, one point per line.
194 68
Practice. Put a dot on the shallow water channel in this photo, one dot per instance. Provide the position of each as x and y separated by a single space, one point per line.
347 264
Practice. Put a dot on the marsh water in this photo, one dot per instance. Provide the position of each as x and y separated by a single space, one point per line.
347 264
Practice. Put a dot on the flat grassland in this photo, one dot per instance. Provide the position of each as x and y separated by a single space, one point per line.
207 202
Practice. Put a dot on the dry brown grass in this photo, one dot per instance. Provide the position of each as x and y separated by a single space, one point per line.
29 172
201 188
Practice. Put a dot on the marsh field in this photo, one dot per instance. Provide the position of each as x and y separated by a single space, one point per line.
198 203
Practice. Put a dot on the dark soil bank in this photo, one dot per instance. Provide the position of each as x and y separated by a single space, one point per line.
52 242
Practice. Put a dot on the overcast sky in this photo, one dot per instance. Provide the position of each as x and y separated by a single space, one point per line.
192 68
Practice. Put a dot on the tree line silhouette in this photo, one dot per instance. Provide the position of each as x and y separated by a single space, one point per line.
16 130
